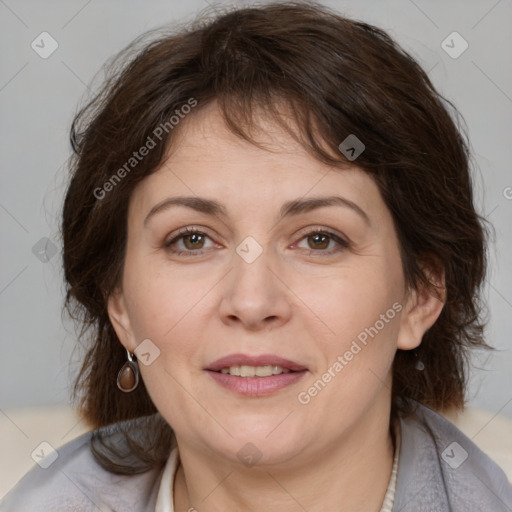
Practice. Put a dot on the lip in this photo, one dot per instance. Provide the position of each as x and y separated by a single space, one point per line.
255 386
260 360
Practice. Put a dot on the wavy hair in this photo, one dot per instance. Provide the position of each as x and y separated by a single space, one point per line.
338 77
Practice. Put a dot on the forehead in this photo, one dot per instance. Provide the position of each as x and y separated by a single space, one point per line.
204 134
207 159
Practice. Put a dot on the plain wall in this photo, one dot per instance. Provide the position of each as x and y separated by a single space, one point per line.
38 98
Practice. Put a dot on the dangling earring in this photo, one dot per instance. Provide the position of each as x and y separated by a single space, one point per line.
128 376
419 363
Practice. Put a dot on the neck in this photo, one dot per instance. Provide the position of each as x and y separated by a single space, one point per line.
350 474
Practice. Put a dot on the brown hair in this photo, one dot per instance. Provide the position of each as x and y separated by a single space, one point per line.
339 77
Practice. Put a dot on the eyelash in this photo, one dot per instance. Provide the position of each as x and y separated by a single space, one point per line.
192 231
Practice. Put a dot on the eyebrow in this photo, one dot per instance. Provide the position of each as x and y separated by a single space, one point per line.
290 208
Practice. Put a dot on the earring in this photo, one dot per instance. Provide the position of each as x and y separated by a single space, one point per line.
128 376
419 363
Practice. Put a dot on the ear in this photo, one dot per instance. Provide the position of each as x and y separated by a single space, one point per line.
423 307
120 319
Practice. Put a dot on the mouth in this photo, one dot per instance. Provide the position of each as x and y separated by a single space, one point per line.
255 371
263 365
255 375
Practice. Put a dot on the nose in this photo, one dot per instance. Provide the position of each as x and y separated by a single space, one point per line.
255 295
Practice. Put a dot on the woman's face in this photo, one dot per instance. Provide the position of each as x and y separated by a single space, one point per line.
253 283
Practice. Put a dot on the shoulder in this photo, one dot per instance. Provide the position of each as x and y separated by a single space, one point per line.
441 467
74 481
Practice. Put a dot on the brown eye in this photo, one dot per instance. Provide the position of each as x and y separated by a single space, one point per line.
188 242
318 241
193 241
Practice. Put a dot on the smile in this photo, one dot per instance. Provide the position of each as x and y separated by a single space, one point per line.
255 376
254 371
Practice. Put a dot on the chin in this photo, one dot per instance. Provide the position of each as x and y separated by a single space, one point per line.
271 441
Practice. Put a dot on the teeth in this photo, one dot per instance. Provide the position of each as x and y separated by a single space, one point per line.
255 371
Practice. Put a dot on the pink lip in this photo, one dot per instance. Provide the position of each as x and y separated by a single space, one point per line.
255 386
261 360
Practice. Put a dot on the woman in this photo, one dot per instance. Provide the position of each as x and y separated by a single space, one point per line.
271 245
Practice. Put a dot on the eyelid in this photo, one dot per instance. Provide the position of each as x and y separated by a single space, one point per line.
311 230
302 233
338 238
186 230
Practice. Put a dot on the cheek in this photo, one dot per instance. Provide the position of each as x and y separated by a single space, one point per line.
362 309
356 360
353 301
156 301
170 309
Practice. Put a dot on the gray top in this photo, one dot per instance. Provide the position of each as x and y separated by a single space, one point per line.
440 469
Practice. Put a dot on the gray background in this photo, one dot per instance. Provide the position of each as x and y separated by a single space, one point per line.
38 98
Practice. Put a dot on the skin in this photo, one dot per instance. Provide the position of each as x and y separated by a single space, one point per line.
301 299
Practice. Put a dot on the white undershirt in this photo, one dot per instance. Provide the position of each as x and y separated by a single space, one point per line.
165 498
